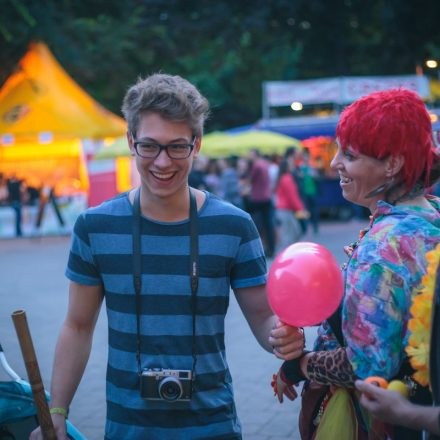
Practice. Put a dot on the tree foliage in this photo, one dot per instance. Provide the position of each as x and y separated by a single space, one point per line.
227 47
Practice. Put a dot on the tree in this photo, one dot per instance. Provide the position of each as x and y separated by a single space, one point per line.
227 48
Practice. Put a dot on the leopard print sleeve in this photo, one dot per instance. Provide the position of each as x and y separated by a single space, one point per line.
331 367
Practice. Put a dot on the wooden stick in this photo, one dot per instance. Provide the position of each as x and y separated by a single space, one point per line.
33 372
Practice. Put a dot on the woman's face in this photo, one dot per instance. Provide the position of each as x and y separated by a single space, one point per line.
359 176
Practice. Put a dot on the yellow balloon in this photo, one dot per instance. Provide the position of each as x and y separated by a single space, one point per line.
400 387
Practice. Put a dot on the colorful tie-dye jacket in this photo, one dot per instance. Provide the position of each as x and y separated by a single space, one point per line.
384 270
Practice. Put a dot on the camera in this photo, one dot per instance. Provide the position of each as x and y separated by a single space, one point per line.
163 384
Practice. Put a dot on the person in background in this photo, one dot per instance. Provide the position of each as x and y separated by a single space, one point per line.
243 166
261 204
197 174
4 195
274 166
230 183
309 178
212 177
16 193
385 161
164 257
293 154
289 206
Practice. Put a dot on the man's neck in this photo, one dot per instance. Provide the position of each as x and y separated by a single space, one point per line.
170 209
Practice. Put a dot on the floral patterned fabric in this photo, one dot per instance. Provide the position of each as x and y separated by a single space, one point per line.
384 271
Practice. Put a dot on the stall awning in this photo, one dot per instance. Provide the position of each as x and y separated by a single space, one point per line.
40 101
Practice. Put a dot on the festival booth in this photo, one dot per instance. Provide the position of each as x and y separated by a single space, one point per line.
44 119
113 170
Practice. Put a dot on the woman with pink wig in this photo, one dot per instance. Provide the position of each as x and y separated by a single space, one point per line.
386 161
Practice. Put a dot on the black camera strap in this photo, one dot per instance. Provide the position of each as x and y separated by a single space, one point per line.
137 271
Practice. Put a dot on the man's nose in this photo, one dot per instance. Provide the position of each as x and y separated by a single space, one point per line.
163 159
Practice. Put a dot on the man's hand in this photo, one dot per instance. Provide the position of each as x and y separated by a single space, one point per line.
287 341
59 423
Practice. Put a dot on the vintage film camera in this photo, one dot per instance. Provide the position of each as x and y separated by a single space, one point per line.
164 384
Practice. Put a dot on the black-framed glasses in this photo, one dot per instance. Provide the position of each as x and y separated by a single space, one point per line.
151 150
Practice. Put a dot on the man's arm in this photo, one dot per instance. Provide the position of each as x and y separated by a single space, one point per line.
72 351
284 341
74 342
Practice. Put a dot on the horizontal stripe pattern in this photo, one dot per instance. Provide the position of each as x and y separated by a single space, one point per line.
230 254
170 418
168 304
163 245
164 284
208 363
177 324
164 344
210 432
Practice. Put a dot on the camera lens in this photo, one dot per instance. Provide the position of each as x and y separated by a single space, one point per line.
170 389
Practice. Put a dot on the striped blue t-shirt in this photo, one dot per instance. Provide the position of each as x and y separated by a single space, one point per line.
230 255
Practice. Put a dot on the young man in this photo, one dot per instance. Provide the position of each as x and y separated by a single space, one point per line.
166 290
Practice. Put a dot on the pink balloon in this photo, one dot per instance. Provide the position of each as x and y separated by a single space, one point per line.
305 284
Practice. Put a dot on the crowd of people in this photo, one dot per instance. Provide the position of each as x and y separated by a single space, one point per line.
279 191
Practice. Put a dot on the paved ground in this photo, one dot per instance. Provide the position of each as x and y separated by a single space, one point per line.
31 278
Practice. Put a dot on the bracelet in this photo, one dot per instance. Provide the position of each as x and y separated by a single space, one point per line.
58 410
291 371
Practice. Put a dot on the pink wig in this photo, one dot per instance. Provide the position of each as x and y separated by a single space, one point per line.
390 123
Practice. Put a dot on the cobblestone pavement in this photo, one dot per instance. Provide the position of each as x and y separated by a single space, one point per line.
32 279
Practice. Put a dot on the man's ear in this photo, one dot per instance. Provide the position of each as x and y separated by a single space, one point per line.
130 143
394 165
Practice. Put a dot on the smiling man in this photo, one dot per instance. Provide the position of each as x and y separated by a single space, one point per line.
164 256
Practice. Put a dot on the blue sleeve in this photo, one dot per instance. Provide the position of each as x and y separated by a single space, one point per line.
249 267
81 267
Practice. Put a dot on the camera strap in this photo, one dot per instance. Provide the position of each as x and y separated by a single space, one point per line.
137 271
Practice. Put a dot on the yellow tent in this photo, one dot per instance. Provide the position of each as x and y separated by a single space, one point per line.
41 100
219 144
43 116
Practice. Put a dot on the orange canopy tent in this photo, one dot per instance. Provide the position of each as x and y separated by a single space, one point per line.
43 116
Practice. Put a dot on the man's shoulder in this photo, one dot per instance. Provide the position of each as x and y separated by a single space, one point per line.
216 206
108 216
118 205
